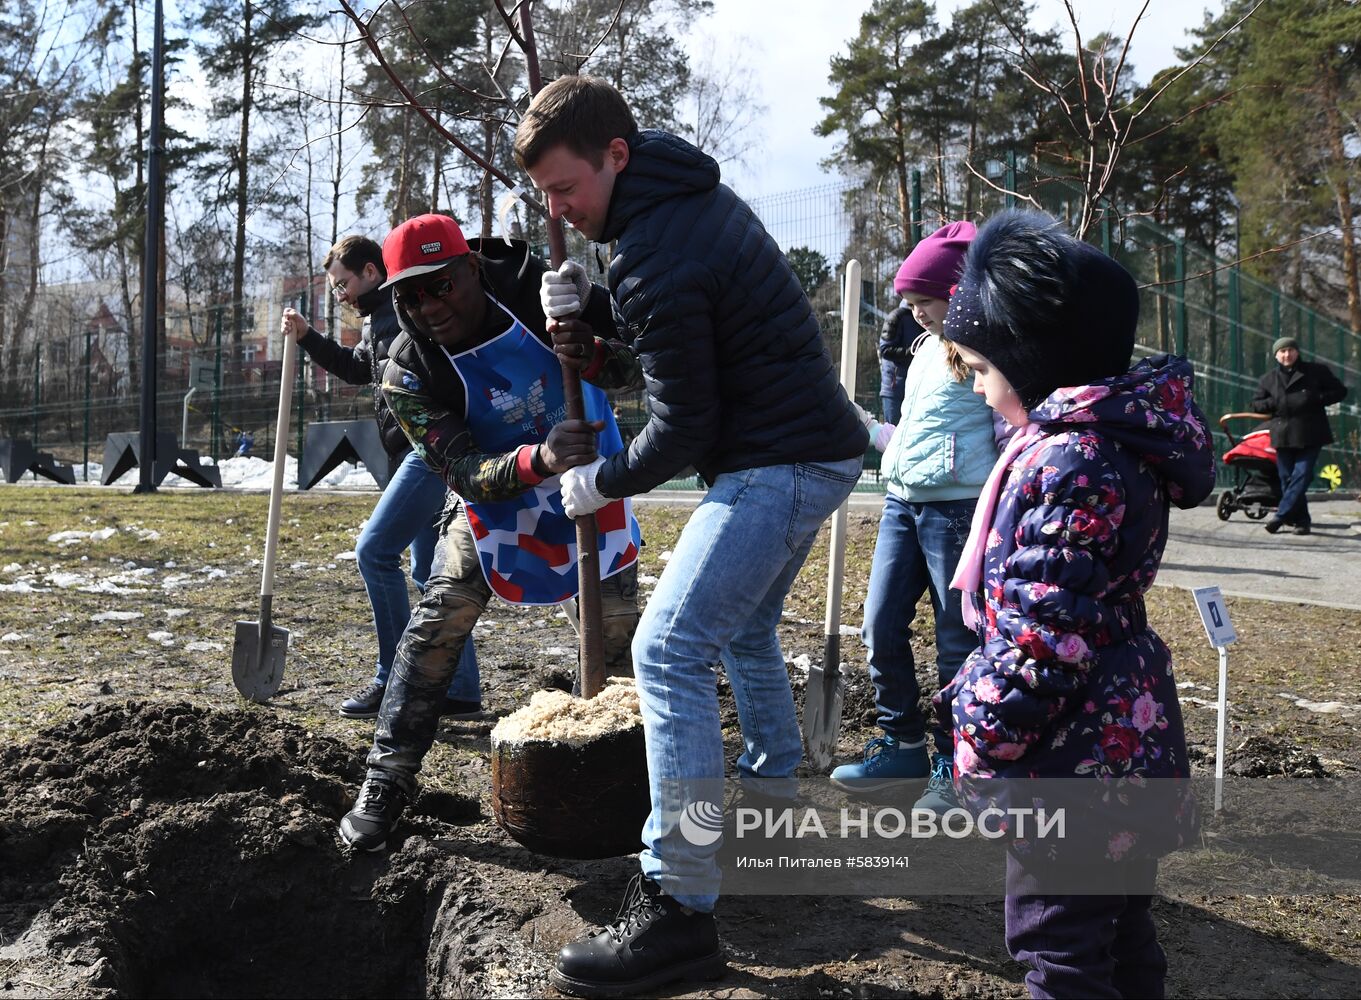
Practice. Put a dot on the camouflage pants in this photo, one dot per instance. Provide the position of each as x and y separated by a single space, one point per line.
455 596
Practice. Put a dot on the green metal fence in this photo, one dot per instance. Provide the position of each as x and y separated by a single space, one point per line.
73 386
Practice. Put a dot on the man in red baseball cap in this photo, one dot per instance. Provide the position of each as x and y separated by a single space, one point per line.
474 383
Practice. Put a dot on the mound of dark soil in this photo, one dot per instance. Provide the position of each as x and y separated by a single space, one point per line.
1267 756
167 850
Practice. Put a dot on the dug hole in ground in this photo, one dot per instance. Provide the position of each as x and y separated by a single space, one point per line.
160 837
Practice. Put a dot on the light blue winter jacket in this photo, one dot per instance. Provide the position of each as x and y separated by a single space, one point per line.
943 448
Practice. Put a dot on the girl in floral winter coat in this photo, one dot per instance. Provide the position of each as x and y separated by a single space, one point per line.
1070 700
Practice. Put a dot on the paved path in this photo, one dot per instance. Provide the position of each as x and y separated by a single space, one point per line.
1237 555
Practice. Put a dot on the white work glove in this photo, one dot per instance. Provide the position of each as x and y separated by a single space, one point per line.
579 495
879 433
564 292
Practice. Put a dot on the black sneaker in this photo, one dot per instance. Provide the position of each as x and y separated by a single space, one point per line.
456 709
652 942
375 813
364 703
1274 525
1302 529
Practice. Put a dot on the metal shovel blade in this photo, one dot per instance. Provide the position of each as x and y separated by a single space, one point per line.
823 700
258 667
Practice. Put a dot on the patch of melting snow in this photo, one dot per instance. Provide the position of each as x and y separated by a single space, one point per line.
13 637
63 581
12 568
802 663
558 651
202 646
22 587
116 616
164 638
176 612
345 555
666 556
1203 703
212 572
850 630
110 586
647 580
1321 707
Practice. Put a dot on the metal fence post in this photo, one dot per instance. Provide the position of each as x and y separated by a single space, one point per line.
916 207
304 308
37 390
1181 297
1235 330
217 390
89 337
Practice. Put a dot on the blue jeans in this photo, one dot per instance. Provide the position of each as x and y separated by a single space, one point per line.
406 516
917 551
891 407
720 599
1296 466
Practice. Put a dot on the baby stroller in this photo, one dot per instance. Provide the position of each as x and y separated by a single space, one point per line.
1257 486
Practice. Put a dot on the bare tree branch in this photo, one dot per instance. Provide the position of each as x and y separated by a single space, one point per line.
1336 231
997 187
424 112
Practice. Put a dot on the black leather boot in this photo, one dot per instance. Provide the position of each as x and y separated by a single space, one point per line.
652 942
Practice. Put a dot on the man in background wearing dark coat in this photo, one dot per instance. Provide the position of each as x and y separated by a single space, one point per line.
1294 394
895 354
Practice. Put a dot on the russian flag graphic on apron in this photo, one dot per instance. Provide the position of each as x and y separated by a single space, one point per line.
528 546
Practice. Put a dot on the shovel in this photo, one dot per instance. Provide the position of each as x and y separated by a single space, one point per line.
259 649
826 691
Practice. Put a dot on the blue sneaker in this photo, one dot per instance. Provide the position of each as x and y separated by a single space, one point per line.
939 796
887 764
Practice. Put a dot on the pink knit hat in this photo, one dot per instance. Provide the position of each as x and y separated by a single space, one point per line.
933 266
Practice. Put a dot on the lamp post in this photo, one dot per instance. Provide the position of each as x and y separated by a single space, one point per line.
151 262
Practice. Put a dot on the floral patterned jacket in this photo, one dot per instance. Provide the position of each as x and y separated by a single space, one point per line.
1069 681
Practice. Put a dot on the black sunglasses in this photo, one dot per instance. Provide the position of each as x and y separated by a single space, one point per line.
411 298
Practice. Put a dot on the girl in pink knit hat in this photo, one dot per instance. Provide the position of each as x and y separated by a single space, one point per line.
936 460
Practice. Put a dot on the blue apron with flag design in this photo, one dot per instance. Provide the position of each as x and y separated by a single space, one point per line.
527 545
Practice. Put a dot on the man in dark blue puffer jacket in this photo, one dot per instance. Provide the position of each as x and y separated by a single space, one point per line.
740 385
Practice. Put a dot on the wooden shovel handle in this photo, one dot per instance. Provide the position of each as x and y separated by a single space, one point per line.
276 489
592 649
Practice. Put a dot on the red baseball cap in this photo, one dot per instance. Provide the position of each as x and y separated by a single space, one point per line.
420 246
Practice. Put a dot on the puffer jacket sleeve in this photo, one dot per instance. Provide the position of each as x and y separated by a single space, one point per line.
353 364
895 337
671 311
1045 605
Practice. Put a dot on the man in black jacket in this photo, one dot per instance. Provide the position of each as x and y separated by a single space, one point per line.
740 385
476 387
895 354
405 515
1294 394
